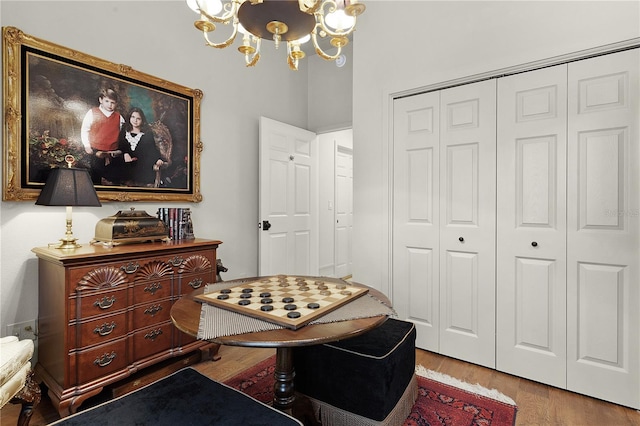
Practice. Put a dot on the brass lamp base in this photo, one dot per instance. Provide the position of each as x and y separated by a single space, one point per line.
66 243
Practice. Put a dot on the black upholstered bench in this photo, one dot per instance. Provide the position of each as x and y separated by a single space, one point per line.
183 398
364 380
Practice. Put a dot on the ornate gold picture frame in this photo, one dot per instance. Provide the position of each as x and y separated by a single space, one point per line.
50 93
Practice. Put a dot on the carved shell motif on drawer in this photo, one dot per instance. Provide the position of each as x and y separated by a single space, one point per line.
101 278
154 270
195 263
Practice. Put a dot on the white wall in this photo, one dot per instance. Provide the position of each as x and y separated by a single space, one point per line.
158 38
330 92
400 45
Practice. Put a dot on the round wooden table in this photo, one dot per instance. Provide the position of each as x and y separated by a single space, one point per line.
185 314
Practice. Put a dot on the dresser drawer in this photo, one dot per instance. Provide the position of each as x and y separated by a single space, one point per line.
152 340
102 360
100 329
151 313
191 282
88 304
152 290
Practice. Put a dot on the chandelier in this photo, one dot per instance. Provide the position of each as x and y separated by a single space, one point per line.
294 22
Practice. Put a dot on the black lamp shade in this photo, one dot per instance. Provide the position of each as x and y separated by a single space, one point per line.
69 187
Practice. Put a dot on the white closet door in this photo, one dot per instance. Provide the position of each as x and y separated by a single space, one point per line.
416 221
531 231
467 222
603 280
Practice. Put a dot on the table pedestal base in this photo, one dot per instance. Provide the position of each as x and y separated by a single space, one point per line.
284 394
284 388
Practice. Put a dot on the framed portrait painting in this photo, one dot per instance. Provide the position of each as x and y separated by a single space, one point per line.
138 135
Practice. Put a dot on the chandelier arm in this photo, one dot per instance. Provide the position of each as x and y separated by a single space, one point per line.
231 10
226 43
293 63
322 53
255 57
309 6
291 59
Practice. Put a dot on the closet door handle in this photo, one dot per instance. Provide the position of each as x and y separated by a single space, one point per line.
534 244
461 239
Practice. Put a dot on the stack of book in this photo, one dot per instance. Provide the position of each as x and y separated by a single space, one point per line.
178 222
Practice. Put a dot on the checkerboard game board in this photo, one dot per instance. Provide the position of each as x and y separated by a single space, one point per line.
289 301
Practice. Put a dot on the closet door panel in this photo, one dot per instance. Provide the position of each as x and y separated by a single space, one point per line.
467 215
531 231
603 294
416 216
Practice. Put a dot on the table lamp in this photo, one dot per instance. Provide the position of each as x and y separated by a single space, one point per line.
68 187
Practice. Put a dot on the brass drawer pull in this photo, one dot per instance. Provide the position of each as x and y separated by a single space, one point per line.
130 268
105 303
176 261
152 335
195 283
153 288
105 359
105 329
152 310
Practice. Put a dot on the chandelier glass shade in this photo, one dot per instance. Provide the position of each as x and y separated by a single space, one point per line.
292 21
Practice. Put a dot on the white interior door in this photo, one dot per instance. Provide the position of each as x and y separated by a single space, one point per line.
343 211
288 204
603 240
531 230
416 239
468 222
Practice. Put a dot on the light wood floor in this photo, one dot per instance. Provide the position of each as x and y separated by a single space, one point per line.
538 404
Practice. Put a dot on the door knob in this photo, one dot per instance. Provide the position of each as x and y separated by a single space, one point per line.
265 225
535 244
461 239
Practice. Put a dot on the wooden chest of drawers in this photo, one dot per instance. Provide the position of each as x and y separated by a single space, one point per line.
104 312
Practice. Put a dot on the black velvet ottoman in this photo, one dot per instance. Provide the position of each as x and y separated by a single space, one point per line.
185 398
364 380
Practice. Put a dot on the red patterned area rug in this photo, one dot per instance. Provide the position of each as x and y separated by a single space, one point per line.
256 381
442 400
